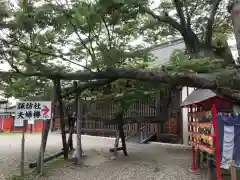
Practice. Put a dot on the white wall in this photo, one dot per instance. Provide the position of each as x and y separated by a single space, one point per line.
163 54
185 92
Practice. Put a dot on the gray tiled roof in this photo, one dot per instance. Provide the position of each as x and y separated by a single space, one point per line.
197 96
166 44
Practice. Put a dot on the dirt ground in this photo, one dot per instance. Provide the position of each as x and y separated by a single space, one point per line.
145 162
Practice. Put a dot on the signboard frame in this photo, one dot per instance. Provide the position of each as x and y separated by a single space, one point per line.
32 110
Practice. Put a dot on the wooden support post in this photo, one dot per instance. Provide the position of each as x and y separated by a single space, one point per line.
77 111
42 149
71 130
202 158
121 132
233 171
210 167
62 121
53 98
45 131
194 169
23 149
46 159
198 159
116 144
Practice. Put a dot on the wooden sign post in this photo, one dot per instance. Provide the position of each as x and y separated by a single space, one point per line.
23 148
42 149
33 110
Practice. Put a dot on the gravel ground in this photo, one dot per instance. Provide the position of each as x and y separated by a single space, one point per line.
145 162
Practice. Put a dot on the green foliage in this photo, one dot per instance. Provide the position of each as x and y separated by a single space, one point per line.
94 35
29 88
181 62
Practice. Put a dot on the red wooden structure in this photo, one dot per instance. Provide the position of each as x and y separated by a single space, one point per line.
7 125
199 102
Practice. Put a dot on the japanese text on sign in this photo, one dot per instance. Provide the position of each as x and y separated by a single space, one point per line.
27 110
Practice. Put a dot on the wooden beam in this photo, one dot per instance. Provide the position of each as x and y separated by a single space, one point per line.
46 159
233 171
126 120
98 130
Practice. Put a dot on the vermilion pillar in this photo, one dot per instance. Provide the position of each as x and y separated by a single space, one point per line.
215 136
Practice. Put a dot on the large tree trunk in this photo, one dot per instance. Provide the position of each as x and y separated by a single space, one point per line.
236 24
62 121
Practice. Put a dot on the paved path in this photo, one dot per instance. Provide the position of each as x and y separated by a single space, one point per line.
145 162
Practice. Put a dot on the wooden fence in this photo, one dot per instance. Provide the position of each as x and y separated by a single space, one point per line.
138 115
99 118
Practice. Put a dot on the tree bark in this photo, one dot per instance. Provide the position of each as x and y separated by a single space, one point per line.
176 78
52 123
62 121
194 46
205 81
78 115
43 146
89 85
235 14
46 128
116 144
70 138
119 117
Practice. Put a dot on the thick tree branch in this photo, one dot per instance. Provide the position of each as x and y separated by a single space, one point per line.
4 25
165 19
188 16
190 38
209 28
180 13
205 81
183 79
108 31
87 85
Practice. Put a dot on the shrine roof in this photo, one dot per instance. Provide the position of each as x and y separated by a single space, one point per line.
203 96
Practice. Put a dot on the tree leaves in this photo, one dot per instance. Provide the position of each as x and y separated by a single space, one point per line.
181 62
95 35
